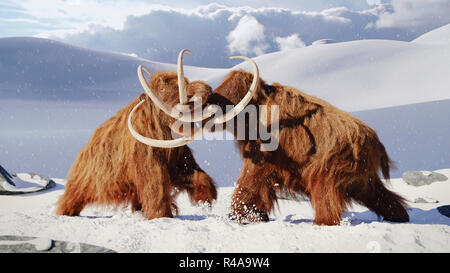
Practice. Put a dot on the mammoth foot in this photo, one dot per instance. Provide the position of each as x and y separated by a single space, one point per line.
204 196
245 215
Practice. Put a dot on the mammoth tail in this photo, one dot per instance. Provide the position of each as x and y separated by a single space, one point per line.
386 163
388 204
374 194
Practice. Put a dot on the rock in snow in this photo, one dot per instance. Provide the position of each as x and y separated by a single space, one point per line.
420 178
425 200
24 244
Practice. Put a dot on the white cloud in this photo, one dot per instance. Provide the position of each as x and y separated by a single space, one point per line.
211 32
76 15
420 15
289 42
214 31
247 37
373 2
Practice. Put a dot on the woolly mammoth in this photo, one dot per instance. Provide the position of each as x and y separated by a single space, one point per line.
119 166
322 152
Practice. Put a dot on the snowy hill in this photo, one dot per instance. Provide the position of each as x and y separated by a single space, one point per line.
439 36
354 76
42 69
362 75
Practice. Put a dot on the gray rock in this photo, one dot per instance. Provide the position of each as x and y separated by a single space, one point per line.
419 178
425 200
24 244
13 185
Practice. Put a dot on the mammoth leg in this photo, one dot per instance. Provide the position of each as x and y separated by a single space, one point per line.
154 192
377 198
328 203
199 186
72 202
254 196
135 203
192 179
203 188
71 207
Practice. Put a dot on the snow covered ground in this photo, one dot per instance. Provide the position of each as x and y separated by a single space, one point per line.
198 229
53 95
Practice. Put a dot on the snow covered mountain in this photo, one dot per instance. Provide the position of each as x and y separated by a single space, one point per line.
33 68
354 76
42 69
366 74
439 36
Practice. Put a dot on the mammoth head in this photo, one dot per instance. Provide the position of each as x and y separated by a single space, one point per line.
192 98
164 86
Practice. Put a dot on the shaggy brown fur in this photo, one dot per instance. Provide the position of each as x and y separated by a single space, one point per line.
324 153
114 168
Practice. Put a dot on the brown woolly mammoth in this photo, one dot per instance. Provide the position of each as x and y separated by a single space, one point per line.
322 152
131 158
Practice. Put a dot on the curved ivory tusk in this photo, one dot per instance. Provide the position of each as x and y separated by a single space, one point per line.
180 73
243 103
175 112
156 142
154 97
198 114
197 132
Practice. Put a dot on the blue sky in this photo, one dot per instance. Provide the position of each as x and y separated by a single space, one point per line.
214 30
